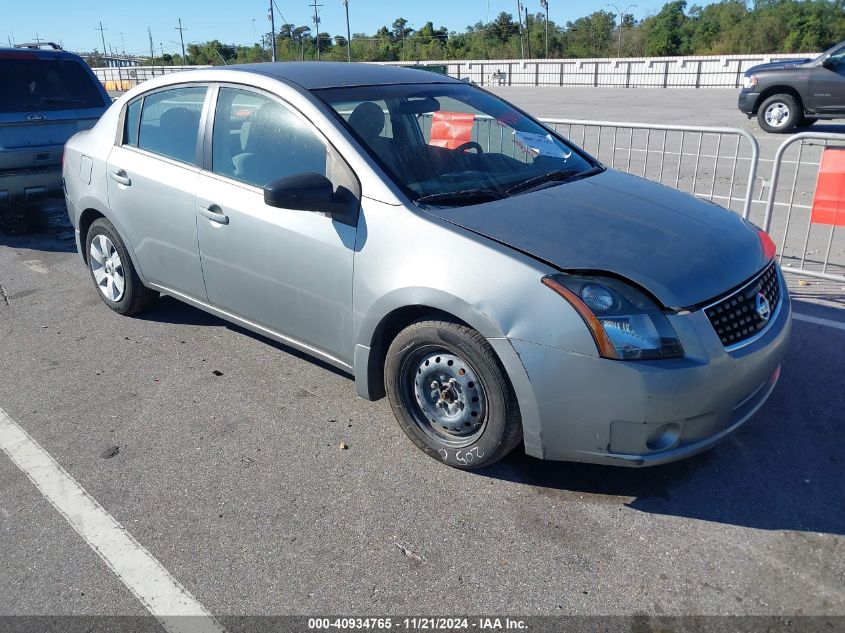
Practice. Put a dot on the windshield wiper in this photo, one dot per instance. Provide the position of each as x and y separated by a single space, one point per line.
552 176
463 196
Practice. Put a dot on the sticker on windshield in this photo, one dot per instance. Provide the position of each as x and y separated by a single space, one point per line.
539 145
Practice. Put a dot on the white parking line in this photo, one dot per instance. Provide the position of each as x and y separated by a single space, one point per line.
143 575
818 320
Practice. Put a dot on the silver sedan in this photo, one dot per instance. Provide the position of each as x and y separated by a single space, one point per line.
496 282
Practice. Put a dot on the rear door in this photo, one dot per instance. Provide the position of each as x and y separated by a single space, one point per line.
152 181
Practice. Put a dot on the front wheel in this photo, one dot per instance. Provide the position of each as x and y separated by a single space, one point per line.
780 113
450 394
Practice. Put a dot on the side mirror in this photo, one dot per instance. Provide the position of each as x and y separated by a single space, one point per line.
827 62
310 191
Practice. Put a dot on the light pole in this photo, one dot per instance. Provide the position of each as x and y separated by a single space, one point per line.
621 15
545 5
348 34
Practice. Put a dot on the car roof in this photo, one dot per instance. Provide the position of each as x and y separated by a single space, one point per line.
36 53
317 75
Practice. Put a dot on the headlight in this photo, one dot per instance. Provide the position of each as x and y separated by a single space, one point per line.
624 322
749 81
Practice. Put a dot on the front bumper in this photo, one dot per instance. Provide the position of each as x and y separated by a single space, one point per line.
747 102
641 413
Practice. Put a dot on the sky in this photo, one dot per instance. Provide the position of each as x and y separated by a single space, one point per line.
74 24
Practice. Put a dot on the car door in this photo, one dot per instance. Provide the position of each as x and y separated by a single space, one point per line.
152 182
289 271
827 85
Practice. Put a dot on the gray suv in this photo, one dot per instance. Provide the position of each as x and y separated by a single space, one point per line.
795 92
47 97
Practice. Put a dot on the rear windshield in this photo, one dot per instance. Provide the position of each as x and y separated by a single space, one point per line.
42 85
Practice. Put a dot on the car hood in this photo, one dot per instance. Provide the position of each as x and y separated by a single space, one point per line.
786 63
683 250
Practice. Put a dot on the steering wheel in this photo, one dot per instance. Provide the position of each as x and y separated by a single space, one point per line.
470 145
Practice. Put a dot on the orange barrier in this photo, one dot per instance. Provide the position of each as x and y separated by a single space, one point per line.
829 201
451 129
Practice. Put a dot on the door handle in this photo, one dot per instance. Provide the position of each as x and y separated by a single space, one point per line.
121 177
214 213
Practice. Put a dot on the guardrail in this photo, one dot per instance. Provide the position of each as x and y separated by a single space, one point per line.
821 252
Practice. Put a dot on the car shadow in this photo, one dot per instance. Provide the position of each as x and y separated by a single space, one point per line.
170 310
782 471
41 225
827 127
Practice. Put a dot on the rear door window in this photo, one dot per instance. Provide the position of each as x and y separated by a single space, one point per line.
170 122
44 85
133 120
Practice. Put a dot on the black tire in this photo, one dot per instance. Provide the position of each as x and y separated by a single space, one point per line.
499 427
135 296
783 108
807 121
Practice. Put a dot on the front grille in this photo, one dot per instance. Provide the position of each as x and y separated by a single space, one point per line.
736 318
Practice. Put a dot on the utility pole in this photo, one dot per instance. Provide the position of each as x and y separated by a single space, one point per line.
253 31
101 29
123 44
152 51
545 5
348 34
519 17
317 26
272 29
181 28
621 15
527 33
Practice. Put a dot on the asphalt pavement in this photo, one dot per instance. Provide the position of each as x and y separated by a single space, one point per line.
258 479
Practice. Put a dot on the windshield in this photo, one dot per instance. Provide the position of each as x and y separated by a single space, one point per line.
43 85
837 50
454 144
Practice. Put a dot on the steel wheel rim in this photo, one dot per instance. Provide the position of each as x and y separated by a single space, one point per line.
445 395
777 114
107 268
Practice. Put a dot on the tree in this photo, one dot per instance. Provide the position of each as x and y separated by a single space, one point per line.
665 31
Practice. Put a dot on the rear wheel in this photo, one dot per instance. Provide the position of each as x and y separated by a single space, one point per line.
117 283
780 113
450 394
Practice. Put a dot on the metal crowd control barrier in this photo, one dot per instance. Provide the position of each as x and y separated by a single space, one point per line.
807 244
710 162
714 163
